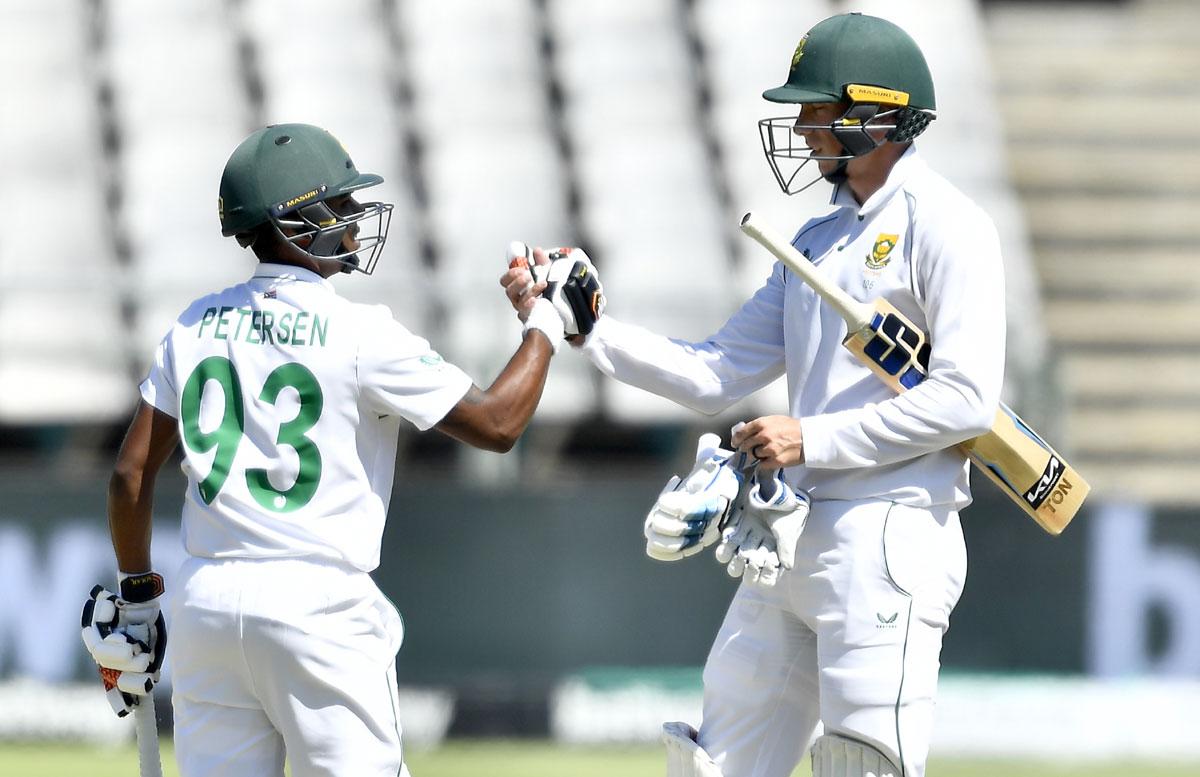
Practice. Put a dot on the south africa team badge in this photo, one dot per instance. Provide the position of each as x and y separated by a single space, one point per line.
879 256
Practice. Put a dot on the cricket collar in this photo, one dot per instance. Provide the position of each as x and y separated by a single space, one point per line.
908 162
289 272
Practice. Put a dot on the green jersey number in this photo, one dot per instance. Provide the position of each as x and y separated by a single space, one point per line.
228 433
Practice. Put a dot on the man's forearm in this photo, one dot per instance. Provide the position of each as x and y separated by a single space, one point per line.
151 437
520 384
682 372
130 508
495 418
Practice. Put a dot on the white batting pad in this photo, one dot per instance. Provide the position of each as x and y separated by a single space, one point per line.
838 756
685 758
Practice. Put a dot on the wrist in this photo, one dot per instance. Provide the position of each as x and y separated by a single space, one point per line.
140 587
545 318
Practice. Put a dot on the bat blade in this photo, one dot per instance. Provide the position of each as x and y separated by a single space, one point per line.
1011 455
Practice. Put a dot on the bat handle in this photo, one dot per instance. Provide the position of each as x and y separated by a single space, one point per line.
857 314
149 760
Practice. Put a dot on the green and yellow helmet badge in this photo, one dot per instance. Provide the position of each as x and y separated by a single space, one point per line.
799 52
880 253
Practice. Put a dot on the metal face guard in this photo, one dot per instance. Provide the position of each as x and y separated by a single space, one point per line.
326 231
787 153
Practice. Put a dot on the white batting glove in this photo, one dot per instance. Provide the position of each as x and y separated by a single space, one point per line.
574 289
127 639
688 515
760 540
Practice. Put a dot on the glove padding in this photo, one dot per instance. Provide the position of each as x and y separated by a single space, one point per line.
574 288
760 539
126 639
689 513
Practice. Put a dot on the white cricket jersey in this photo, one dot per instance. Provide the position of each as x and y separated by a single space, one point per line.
289 400
923 246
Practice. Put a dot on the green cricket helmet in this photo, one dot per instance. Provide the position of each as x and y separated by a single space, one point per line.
285 174
872 66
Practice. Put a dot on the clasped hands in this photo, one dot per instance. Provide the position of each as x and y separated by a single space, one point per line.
557 292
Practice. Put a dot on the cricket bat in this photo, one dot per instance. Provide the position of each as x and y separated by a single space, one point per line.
149 759
1011 455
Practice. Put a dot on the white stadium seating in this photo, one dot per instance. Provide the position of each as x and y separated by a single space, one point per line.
629 126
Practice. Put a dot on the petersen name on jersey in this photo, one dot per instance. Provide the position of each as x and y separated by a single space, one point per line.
289 400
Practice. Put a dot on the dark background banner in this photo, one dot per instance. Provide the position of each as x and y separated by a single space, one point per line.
515 588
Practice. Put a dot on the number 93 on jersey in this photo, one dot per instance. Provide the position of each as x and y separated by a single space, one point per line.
217 375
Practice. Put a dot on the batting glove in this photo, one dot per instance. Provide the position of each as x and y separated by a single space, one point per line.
760 540
574 289
689 512
126 636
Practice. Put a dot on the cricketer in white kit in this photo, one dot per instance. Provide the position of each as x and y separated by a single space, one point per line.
288 400
841 654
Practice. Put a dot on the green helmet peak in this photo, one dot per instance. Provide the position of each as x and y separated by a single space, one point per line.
857 50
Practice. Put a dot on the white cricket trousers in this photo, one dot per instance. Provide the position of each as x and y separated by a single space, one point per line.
848 639
275 657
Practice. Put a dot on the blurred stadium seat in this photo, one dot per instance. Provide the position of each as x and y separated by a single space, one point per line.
338 71
1105 162
178 108
177 252
746 49
494 174
62 357
648 203
631 125
174 64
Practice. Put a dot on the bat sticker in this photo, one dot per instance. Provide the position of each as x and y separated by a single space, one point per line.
898 349
1041 489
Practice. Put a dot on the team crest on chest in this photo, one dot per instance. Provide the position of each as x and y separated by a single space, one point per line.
881 252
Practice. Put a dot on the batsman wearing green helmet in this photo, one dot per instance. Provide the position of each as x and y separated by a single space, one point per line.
843 82
840 513
288 400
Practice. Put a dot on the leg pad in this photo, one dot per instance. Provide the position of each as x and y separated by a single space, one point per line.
838 756
685 758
